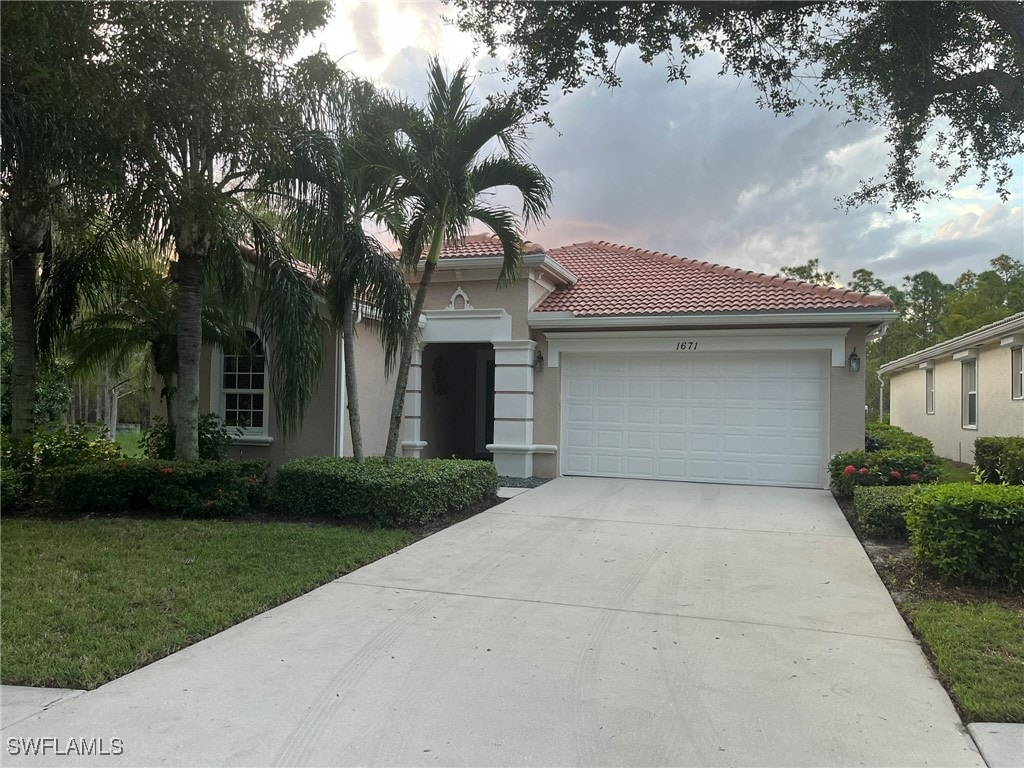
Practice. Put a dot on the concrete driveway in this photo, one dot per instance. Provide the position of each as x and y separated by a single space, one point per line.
587 622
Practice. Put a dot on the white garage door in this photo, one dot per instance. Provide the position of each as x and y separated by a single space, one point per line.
725 418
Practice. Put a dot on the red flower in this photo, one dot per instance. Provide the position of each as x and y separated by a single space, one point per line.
894 475
863 470
167 470
915 477
850 469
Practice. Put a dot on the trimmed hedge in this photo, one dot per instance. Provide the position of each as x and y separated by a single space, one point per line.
969 532
186 488
880 511
887 467
405 492
890 438
1000 459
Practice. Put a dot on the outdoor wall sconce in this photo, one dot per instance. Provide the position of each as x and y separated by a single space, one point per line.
854 362
538 362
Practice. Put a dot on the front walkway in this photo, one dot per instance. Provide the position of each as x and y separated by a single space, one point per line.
586 622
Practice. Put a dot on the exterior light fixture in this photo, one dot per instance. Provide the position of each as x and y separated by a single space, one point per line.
538 362
854 362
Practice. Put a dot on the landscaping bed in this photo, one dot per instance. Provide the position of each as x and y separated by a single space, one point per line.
973 634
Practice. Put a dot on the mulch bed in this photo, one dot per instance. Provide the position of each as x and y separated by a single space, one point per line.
908 583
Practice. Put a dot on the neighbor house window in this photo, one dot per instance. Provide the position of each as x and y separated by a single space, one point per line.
1017 369
243 387
929 390
969 371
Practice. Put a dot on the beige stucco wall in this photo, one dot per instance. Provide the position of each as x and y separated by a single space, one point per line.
998 412
483 293
375 392
846 399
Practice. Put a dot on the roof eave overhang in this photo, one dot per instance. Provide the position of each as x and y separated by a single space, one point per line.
567 320
994 332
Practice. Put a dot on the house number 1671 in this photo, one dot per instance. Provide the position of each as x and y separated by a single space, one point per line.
686 346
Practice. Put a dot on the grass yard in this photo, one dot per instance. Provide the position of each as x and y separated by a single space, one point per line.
89 600
979 653
954 473
131 444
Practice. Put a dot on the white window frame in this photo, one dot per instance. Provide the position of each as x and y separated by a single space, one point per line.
218 395
929 391
967 393
1017 373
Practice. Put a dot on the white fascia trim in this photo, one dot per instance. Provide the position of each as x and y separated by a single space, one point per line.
927 365
1016 340
966 354
567 320
832 340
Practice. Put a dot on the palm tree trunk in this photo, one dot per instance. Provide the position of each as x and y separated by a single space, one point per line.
402 382
169 395
351 392
190 340
23 322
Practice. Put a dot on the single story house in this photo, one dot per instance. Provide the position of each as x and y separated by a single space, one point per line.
600 360
968 387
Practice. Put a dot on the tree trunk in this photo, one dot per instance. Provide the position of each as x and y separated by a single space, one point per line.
115 401
23 322
190 340
402 382
169 390
351 392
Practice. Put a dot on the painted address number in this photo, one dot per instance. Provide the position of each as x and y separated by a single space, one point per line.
686 346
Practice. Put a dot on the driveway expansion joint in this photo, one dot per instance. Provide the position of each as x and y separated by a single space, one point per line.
555 603
845 537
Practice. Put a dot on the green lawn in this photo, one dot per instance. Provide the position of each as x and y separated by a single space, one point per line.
131 444
979 652
89 600
951 473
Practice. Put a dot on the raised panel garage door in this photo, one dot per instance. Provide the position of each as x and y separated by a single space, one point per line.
702 417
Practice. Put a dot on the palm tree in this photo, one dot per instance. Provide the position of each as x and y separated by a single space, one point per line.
326 197
139 315
436 157
60 141
214 109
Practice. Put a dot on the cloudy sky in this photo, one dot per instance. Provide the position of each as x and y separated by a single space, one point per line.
697 170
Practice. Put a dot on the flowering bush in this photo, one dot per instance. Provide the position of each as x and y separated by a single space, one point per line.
887 467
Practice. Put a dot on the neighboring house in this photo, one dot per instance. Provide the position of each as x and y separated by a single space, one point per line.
600 360
968 387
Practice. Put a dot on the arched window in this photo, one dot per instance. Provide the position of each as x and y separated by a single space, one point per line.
243 387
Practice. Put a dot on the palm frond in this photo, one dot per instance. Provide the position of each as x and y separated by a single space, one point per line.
502 222
527 178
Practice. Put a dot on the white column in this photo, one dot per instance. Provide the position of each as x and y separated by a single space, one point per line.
412 445
513 407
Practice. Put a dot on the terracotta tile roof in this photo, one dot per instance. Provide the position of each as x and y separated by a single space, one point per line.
476 246
617 280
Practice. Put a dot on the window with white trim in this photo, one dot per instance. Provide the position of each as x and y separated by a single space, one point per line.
1017 370
243 385
969 374
929 390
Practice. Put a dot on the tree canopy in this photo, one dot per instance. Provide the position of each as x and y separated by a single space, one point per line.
944 79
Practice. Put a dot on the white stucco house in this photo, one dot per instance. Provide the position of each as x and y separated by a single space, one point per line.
968 387
601 360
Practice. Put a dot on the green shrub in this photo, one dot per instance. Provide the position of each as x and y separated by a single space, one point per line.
887 467
1000 459
880 511
404 492
890 438
969 532
186 488
214 439
11 488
